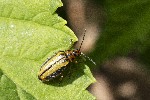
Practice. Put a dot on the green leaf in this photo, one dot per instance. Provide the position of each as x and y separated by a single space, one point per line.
31 31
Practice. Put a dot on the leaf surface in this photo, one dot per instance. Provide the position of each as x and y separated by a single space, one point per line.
31 31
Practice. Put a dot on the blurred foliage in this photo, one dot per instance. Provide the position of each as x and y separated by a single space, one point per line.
126 30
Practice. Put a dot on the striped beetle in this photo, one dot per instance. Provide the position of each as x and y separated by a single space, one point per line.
55 65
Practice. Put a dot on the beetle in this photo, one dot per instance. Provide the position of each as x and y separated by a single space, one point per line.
54 66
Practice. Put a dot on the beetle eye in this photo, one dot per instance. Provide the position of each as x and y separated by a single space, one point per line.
74 53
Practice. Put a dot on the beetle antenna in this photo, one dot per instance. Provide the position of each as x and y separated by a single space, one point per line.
88 58
82 40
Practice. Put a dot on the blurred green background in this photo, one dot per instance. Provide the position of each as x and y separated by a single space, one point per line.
118 40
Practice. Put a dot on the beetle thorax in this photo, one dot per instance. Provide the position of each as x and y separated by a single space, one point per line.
72 54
